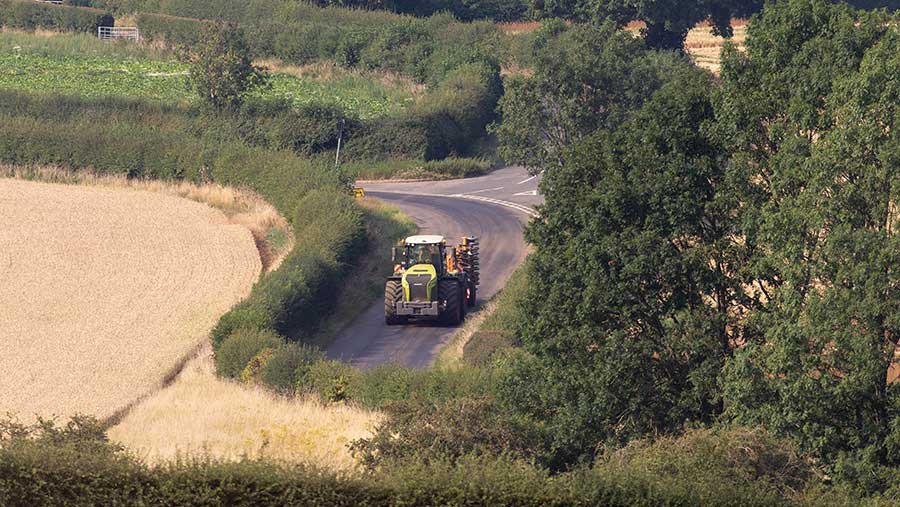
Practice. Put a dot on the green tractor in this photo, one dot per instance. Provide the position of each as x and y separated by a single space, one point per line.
431 281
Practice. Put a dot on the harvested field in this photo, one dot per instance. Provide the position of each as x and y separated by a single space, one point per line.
105 290
201 415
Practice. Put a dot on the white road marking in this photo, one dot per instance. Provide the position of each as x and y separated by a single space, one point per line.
486 190
518 207
530 192
529 179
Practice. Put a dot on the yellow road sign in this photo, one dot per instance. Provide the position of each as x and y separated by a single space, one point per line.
359 192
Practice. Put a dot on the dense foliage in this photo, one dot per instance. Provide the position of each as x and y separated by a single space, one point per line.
47 465
29 15
222 70
729 248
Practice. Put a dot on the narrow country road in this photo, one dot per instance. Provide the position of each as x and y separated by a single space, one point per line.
493 207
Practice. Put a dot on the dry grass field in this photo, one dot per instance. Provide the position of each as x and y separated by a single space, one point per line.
706 47
201 415
701 44
105 290
271 232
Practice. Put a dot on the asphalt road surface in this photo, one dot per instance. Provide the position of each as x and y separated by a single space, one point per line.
494 208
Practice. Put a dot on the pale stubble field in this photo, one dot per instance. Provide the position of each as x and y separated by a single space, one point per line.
104 290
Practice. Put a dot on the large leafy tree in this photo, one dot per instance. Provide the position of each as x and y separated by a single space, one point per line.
585 78
631 305
810 114
222 69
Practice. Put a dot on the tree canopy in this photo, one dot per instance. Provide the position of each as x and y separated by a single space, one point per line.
222 68
716 250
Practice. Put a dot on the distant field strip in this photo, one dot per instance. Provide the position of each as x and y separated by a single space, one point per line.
103 290
80 65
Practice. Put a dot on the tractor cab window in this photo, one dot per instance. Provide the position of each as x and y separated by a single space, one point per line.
425 254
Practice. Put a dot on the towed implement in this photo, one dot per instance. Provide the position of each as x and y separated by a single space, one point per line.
431 280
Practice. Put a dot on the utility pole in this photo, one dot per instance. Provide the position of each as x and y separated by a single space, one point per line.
337 156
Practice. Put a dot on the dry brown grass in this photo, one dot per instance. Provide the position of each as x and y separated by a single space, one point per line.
271 232
202 415
105 290
39 32
705 47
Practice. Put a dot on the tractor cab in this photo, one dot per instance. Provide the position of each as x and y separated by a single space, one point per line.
421 250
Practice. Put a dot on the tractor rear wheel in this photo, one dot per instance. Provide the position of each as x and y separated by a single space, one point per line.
393 294
449 291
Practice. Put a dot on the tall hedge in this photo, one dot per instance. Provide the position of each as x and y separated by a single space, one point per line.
30 15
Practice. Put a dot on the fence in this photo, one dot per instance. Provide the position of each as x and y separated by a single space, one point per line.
117 32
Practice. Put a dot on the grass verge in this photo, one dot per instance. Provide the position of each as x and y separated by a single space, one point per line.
446 169
491 329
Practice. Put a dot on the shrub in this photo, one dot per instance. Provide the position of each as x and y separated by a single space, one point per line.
717 464
75 465
252 371
428 431
222 70
332 380
289 363
308 130
406 136
239 348
385 384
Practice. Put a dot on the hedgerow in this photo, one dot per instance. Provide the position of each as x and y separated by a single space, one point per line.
45 465
30 15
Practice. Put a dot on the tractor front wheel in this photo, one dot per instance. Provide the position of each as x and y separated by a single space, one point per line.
393 294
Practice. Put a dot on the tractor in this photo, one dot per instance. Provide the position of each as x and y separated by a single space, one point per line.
431 281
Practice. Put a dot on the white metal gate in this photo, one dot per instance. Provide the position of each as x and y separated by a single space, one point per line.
119 32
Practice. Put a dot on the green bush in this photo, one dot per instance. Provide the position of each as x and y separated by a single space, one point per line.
406 137
428 431
30 15
287 364
236 351
332 380
385 384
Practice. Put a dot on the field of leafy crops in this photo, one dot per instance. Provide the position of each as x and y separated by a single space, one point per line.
81 65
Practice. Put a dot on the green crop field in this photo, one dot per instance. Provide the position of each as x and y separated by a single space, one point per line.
82 65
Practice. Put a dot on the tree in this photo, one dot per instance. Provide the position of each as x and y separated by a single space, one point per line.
630 308
817 164
222 69
585 78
